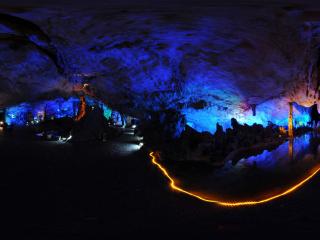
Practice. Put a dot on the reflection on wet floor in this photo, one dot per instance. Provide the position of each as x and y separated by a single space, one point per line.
263 175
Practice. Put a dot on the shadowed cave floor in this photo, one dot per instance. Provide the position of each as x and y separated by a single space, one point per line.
94 190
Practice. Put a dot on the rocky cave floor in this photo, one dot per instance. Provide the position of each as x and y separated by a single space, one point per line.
52 190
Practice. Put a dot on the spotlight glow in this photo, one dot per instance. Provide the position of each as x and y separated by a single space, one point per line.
64 139
69 137
228 203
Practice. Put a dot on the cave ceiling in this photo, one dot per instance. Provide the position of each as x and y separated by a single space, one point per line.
210 63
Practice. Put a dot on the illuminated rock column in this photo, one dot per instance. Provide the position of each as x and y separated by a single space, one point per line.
290 121
82 108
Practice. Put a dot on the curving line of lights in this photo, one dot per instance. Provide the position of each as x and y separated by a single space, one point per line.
228 203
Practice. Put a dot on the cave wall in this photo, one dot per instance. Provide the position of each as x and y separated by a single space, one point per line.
211 64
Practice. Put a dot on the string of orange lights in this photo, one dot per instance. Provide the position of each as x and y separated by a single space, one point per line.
233 203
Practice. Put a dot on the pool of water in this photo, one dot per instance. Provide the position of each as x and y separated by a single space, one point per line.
255 177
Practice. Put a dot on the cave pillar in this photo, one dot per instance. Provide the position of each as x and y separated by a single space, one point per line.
290 121
82 108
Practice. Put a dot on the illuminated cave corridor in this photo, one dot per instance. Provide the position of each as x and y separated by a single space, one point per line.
194 118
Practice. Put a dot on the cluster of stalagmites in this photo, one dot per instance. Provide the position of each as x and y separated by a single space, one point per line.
168 132
230 144
242 136
91 127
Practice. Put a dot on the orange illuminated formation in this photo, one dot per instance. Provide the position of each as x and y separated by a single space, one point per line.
290 121
282 130
230 203
82 108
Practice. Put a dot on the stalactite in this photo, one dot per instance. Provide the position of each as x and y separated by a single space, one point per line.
316 90
309 78
253 107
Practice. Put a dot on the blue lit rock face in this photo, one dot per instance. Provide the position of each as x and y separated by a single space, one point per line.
32 113
210 64
25 73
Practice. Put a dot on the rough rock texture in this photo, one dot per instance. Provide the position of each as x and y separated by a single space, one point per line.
211 64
